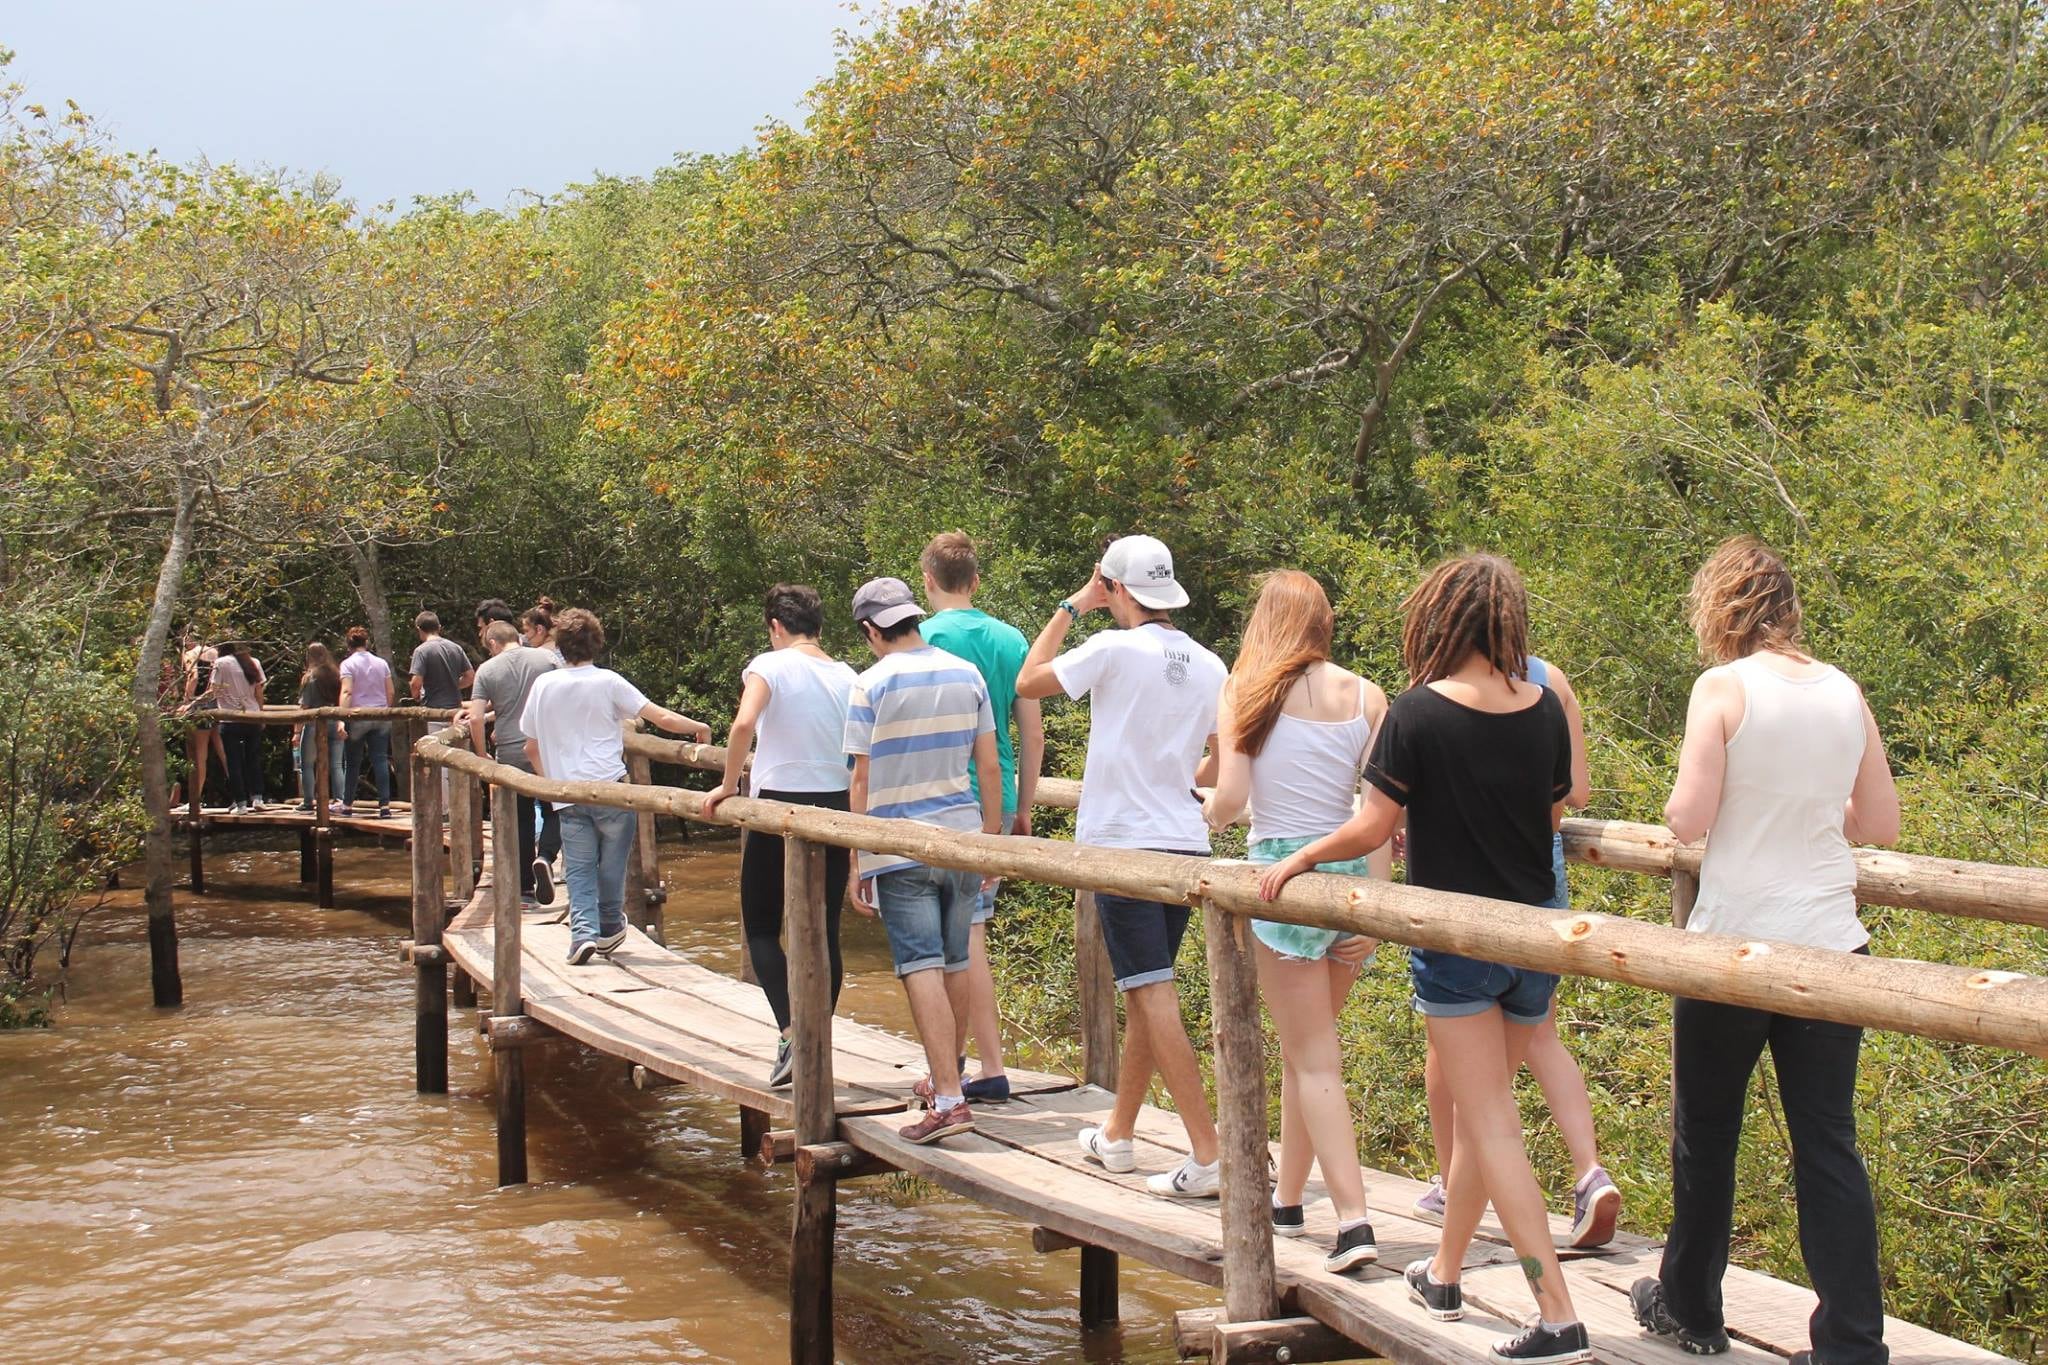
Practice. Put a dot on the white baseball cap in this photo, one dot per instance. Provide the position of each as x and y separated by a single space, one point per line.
1145 567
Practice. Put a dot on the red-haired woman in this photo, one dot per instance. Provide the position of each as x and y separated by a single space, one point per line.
1293 730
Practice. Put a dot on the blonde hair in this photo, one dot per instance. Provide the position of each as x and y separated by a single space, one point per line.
1289 634
1743 600
1473 604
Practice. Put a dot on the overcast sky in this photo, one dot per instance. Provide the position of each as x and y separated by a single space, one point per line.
428 96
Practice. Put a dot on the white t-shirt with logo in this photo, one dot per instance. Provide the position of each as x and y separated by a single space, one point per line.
1151 707
575 715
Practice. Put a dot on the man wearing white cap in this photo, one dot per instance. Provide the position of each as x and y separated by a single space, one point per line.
1151 712
915 722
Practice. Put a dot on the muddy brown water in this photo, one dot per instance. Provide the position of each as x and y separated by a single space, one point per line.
252 1178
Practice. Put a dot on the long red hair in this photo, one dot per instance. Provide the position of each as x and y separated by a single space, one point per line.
1289 634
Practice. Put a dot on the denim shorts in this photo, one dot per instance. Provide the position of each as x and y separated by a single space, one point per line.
1300 942
1448 986
927 912
985 906
1143 937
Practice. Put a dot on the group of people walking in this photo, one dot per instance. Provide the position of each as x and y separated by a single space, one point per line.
1466 773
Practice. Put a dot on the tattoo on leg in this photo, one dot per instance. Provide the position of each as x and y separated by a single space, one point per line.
1532 1269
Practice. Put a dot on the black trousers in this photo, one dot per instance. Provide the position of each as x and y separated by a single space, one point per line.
244 746
1715 1050
761 903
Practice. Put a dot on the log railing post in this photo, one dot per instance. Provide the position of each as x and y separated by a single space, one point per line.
1096 985
815 1214
1685 889
462 840
323 820
1250 1291
506 1001
430 1010
645 893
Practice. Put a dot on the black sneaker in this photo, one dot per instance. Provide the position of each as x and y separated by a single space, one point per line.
581 951
1646 1296
1355 1247
1288 1220
609 943
988 1090
1540 1345
543 882
785 1066
1444 1302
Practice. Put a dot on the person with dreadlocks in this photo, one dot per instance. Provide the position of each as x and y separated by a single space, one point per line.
1293 729
1480 760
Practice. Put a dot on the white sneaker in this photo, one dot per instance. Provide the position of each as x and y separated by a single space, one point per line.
1115 1156
256 804
237 808
1188 1181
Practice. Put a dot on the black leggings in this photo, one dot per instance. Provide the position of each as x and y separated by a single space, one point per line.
244 746
761 903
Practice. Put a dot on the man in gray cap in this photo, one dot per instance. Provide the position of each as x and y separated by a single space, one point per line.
915 722
1151 712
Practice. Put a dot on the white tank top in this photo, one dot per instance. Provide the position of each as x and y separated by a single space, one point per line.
1305 778
800 743
1778 866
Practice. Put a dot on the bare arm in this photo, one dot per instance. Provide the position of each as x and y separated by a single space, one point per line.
473 712
754 699
857 802
1233 777
1030 757
675 722
1036 679
1710 717
467 679
1582 776
988 778
1872 816
533 757
418 687
1362 834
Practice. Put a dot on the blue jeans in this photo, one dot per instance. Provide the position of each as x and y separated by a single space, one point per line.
369 739
928 912
309 765
596 841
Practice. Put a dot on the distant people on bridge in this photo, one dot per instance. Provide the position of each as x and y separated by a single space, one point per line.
572 719
319 685
502 684
538 624
493 609
792 713
1596 1202
1783 765
237 685
1152 709
952 575
366 682
1294 730
1480 760
918 721
196 659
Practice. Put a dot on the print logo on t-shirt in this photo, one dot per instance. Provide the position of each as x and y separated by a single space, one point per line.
1177 661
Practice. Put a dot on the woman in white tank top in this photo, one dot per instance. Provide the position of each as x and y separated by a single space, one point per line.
1292 732
1782 770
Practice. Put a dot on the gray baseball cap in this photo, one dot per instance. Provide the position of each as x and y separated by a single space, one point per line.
886 602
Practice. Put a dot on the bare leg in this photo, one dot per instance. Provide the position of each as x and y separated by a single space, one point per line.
1302 998
979 1018
1564 1090
1481 1054
932 1011
1442 1131
1297 1149
1133 1076
1159 1006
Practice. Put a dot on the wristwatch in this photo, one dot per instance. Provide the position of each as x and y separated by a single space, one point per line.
1069 609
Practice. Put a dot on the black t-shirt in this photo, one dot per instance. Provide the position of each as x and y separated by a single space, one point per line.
1479 787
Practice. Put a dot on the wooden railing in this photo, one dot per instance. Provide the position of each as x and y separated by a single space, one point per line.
1960 1004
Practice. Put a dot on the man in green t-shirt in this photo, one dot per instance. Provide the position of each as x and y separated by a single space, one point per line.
951 575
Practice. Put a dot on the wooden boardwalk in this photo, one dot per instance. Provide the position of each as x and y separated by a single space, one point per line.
655 1008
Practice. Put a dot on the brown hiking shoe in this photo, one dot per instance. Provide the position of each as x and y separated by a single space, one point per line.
938 1123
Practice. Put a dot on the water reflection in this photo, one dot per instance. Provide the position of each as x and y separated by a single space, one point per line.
251 1177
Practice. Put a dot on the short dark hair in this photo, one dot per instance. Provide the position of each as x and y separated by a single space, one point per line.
495 609
427 623
951 561
579 635
891 634
797 606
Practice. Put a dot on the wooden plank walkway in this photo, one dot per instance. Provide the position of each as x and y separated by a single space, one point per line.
290 815
654 1007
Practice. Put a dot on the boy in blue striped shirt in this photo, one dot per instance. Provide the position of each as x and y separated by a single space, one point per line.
915 722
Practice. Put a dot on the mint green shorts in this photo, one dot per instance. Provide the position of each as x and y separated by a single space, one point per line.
1303 942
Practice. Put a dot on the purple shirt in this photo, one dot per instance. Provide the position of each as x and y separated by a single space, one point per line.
368 678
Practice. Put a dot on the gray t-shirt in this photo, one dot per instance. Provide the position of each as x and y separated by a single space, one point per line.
439 664
503 681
